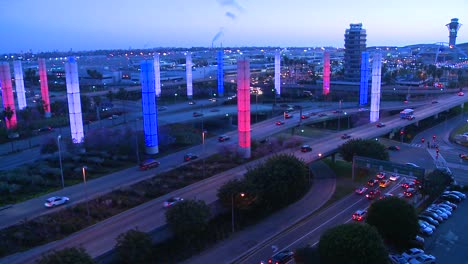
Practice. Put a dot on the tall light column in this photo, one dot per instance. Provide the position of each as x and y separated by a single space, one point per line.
148 101
74 100
278 73
7 95
326 73
19 83
364 87
243 106
188 69
157 75
375 95
44 87
220 73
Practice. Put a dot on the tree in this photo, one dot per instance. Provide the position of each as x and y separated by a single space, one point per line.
435 182
67 256
352 243
307 255
363 147
281 180
134 246
395 219
188 219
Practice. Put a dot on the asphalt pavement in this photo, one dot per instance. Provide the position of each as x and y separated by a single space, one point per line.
234 247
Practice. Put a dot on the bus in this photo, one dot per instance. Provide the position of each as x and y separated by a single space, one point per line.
407 114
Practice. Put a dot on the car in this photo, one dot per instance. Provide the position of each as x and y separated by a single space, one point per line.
463 156
223 138
287 115
384 183
197 114
162 108
214 110
459 194
397 259
412 252
394 177
281 257
432 215
425 230
306 148
409 164
279 123
385 195
112 117
13 135
411 117
460 94
434 102
345 136
438 212
305 116
451 198
372 182
213 100
363 109
380 175
149 163
408 184
361 190
359 215
424 223
445 206
373 194
410 192
454 206
171 201
396 148
442 209
322 114
192 102
45 129
55 201
190 156
380 124
337 111
429 219
422 259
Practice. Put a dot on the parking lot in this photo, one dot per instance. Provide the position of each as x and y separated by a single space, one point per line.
449 243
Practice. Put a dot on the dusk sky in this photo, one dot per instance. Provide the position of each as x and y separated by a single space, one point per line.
47 25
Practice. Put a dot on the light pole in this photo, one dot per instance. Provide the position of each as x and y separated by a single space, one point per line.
339 116
203 146
60 159
136 141
232 209
175 98
84 168
256 106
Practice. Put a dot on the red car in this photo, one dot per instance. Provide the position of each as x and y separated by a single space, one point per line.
279 123
359 215
373 194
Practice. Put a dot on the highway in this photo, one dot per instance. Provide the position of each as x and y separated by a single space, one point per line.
100 238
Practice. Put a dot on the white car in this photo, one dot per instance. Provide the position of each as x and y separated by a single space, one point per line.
171 201
394 177
56 200
412 253
422 259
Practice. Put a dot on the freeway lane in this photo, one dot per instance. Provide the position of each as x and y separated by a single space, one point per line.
327 144
308 232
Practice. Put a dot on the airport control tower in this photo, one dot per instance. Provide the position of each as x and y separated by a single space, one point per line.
453 28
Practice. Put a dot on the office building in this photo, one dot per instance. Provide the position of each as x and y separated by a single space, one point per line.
355 44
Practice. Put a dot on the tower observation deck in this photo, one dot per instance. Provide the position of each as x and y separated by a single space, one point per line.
453 28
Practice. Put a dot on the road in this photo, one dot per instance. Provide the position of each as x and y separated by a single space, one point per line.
97 242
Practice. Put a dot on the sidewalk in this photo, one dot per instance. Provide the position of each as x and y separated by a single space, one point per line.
247 240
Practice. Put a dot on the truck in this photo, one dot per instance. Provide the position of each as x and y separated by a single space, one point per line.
407 114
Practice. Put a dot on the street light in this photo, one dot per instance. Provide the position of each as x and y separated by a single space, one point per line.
203 145
84 168
256 106
232 207
175 98
60 159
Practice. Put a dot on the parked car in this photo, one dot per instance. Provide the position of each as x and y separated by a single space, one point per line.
281 257
190 156
454 206
223 138
55 201
171 201
433 215
422 222
423 259
361 190
429 219
397 259
306 148
359 215
438 212
412 252
451 198
456 193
